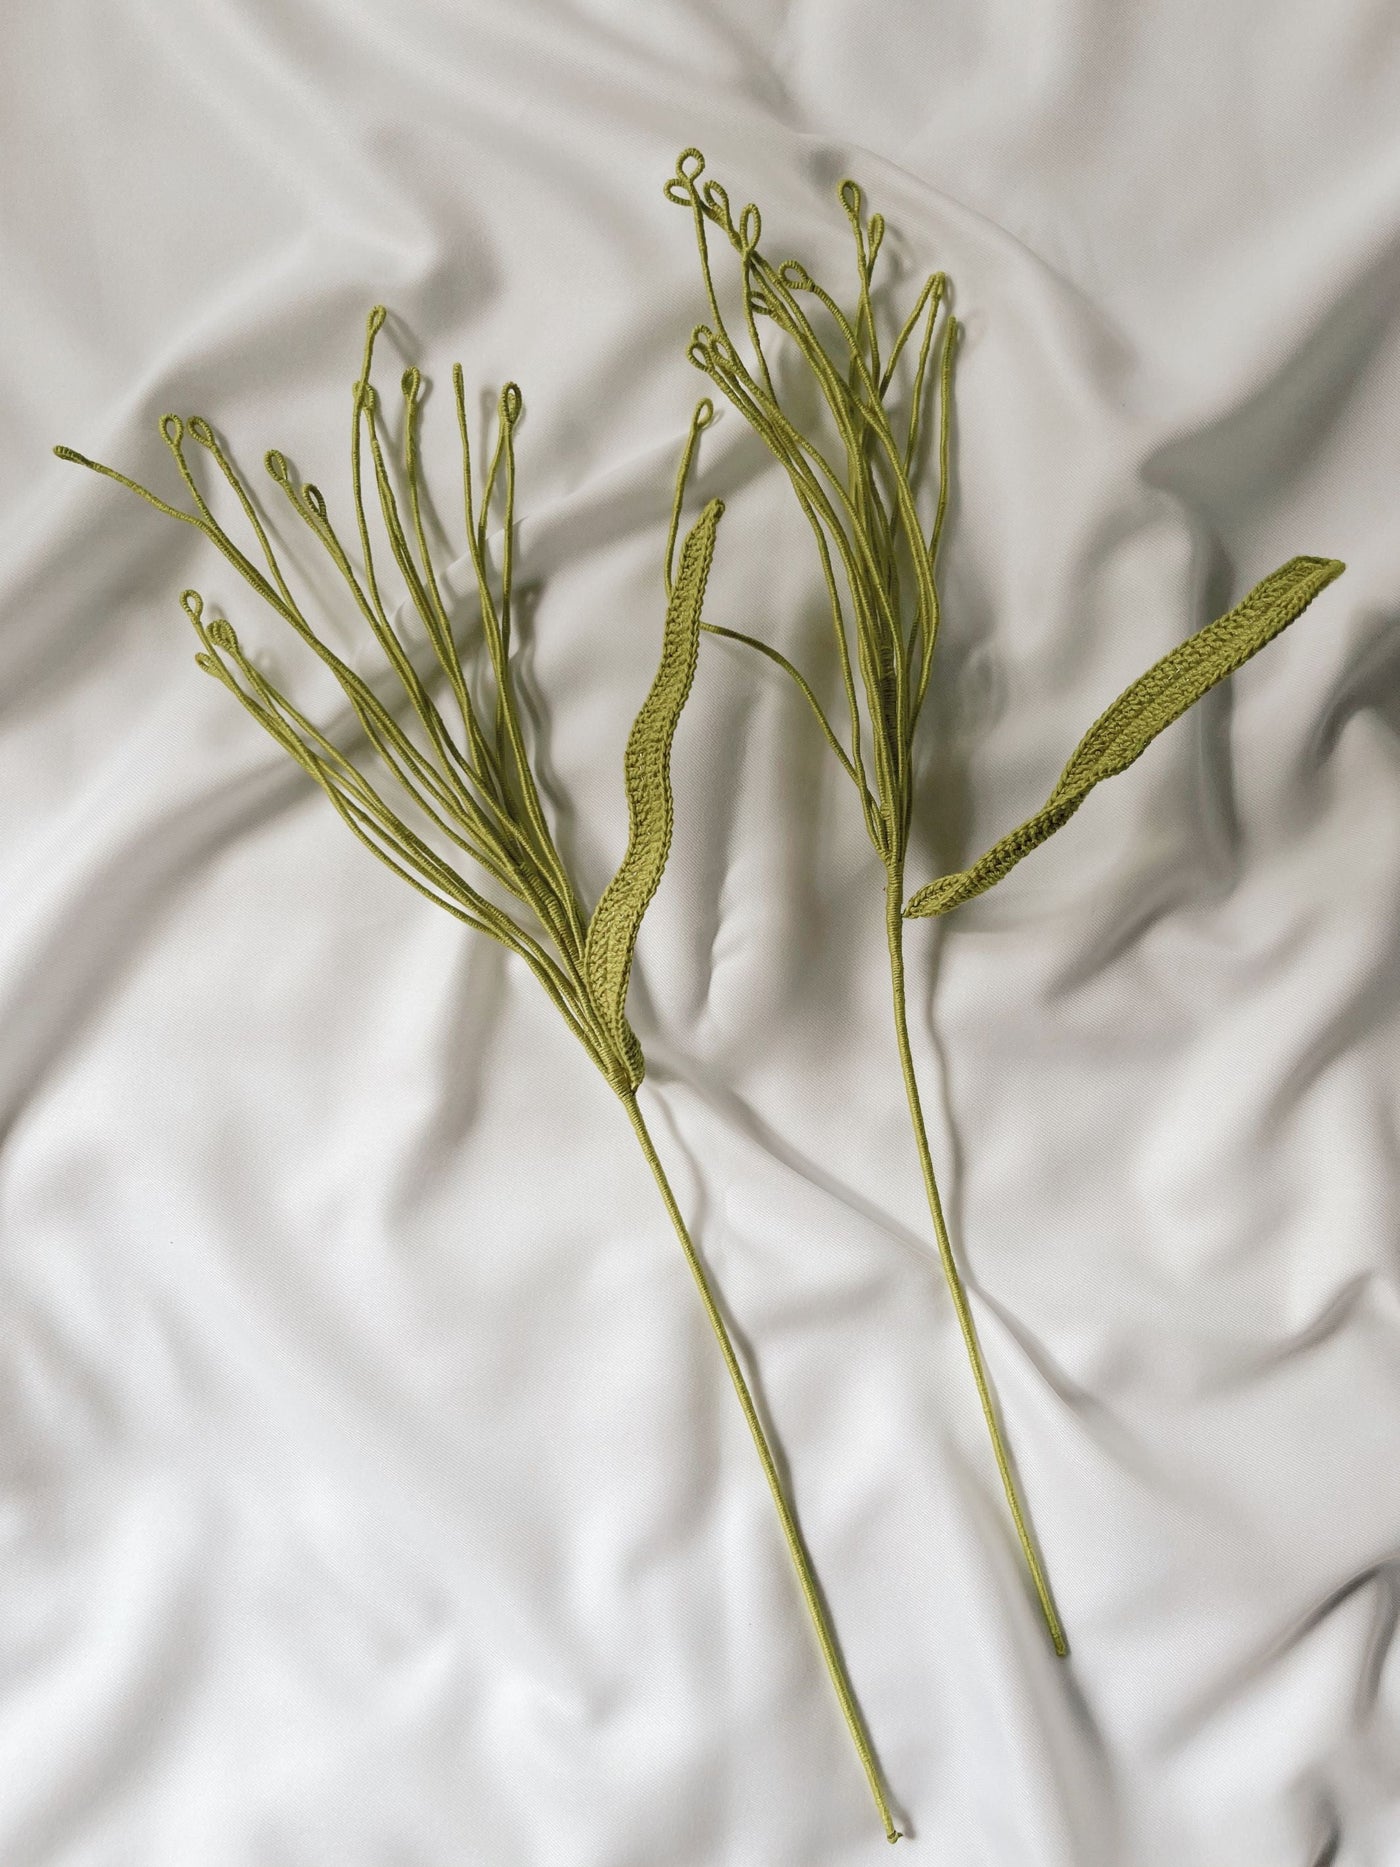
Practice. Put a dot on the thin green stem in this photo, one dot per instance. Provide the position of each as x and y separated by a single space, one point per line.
894 921
792 1535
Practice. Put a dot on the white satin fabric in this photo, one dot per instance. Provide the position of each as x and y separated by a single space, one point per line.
373 1495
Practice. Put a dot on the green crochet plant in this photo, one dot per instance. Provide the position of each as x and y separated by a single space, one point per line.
878 558
461 781
449 785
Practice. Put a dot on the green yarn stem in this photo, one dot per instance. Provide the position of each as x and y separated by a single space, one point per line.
792 1534
894 927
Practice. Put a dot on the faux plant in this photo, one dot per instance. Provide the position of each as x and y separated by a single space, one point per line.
878 556
448 789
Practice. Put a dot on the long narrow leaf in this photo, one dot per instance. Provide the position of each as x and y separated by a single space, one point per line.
612 932
1125 731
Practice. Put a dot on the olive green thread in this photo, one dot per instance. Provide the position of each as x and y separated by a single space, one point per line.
878 565
474 789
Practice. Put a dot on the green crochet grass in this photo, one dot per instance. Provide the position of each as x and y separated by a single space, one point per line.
461 780
878 558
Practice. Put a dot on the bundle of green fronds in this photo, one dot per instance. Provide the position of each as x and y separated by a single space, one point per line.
857 487
448 791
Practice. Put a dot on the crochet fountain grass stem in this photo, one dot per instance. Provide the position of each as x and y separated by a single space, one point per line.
861 506
471 791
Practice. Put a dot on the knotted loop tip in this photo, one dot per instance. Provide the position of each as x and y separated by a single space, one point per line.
711 350
222 636
704 414
276 463
193 605
707 348
716 198
71 453
512 402
750 228
315 499
172 430
850 197
412 382
374 323
680 189
795 276
202 431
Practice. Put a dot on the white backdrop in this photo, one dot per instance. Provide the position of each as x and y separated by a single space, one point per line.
372 1492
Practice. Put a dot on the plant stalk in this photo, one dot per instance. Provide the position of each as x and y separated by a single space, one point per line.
894 922
792 1535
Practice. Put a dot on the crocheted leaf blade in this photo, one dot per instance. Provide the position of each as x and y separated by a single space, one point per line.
612 931
1124 732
